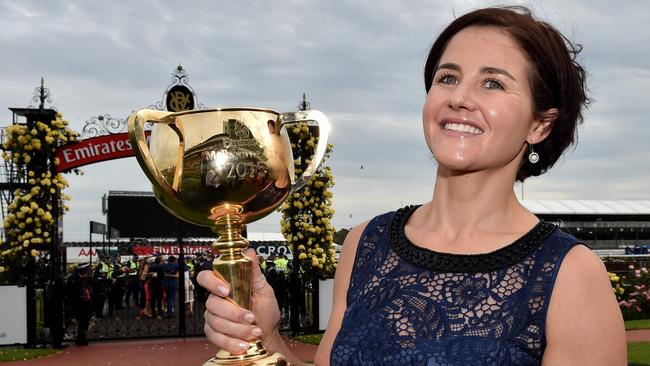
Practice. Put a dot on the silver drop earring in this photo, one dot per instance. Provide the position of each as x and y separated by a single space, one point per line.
533 157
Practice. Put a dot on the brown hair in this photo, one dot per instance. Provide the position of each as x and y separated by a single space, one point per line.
556 79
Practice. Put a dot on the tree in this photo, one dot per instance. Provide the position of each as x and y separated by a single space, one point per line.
340 236
307 213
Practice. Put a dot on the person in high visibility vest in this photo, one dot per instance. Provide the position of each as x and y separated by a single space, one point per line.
117 285
190 267
107 267
132 281
282 264
103 284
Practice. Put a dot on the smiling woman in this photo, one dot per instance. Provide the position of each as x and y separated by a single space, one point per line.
471 277
549 75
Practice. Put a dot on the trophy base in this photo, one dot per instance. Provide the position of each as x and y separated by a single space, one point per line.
256 355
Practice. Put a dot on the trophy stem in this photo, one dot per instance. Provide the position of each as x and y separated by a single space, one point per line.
234 267
230 262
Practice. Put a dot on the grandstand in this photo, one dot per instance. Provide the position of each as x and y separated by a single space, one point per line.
603 225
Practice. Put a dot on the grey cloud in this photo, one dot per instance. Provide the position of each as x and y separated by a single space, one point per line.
360 62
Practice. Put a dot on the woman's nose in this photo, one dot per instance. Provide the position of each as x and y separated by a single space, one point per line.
462 98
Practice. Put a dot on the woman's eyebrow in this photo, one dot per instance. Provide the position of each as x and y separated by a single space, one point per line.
496 70
448 65
484 69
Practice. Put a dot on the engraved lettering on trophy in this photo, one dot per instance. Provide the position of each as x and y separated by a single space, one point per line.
233 157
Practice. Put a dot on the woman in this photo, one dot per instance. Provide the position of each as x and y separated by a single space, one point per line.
471 277
189 289
144 296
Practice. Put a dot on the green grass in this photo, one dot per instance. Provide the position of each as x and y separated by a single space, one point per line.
17 354
638 353
310 338
637 324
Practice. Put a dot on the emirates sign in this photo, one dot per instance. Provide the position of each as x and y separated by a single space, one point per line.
94 150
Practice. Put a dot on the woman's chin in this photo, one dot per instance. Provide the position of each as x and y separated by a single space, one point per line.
455 168
455 161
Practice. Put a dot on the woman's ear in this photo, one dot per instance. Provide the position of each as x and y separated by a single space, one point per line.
541 128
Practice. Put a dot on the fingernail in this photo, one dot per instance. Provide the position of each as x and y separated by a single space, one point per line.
243 345
256 332
249 317
222 290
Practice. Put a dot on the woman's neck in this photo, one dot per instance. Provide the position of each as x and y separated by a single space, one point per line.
477 201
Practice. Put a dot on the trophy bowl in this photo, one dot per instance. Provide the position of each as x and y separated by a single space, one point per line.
225 168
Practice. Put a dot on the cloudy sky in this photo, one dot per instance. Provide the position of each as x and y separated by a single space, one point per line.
360 62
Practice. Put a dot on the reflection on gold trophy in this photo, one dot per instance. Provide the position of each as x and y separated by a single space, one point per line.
224 168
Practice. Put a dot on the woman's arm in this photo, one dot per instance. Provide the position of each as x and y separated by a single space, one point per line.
227 325
341 282
339 303
584 325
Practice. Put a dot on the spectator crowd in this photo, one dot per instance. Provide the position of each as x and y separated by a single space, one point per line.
148 286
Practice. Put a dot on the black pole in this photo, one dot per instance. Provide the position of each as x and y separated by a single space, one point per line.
315 302
56 270
294 295
31 302
30 285
181 280
296 290
52 284
90 245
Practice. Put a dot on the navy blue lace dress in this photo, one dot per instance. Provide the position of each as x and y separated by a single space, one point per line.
407 305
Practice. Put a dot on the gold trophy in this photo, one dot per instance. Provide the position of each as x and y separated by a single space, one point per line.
225 168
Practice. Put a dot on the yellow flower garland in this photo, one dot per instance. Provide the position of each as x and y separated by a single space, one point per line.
29 218
307 213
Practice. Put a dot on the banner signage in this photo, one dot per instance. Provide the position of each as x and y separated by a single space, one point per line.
148 250
84 254
261 249
267 250
97 228
94 150
13 315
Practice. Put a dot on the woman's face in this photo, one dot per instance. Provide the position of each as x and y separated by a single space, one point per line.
479 112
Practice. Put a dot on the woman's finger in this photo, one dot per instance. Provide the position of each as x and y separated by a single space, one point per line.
232 345
213 283
227 309
232 329
258 280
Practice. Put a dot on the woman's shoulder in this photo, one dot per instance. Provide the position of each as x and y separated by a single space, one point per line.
584 322
355 234
383 219
373 227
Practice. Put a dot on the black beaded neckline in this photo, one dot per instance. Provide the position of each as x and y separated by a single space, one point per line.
469 263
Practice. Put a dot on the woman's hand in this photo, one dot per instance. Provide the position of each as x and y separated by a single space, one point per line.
228 325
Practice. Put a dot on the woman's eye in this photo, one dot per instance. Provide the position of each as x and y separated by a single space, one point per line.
447 79
493 84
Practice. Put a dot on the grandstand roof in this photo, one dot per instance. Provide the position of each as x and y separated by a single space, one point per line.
588 207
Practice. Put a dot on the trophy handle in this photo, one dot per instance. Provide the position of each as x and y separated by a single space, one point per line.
319 119
141 149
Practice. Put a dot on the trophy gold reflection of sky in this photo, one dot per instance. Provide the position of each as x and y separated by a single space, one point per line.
230 165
